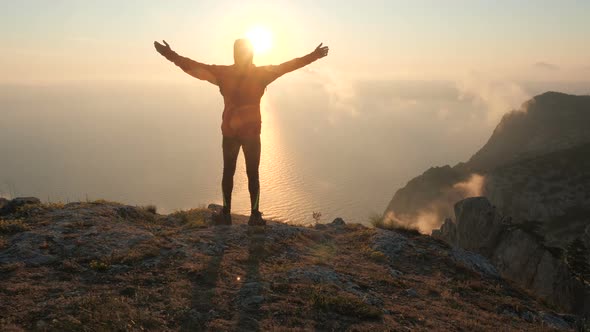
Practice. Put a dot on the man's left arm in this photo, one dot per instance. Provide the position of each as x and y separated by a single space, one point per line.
274 72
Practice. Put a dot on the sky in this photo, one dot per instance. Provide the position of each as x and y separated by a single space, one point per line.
47 41
88 108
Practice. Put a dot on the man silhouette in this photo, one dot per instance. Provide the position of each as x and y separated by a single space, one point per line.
242 86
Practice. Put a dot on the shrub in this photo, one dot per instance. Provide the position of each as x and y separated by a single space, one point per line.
150 208
191 218
100 266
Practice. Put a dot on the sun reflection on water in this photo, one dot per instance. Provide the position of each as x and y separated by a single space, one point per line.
281 195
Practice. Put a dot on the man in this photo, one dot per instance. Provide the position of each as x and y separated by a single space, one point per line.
242 86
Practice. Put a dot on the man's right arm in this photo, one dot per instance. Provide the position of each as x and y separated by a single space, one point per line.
189 66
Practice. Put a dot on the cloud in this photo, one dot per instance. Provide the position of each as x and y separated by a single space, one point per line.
432 216
499 96
546 66
340 90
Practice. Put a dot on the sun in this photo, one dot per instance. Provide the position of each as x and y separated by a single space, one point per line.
261 39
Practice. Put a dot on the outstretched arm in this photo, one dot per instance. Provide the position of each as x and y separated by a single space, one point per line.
275 72
191 67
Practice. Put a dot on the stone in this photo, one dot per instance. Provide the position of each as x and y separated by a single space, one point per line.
475 262
411 292
338 222
8 207
395 273
477 224
255 300
389 243
554 321
3 202
215 207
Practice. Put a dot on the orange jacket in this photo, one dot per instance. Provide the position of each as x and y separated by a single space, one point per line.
241 88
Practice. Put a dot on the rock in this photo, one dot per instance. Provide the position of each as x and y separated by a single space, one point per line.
411 293
475 262
8 207
215 207
128 291
395 273
554 321
477 224
320 226
20 201
41 324
255 300
93 241
338 222
3 202
389 243
515 250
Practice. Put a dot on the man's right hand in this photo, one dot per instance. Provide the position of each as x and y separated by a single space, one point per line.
163 49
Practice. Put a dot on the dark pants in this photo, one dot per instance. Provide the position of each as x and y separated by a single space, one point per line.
231 148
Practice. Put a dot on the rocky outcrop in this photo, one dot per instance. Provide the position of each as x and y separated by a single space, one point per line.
518 252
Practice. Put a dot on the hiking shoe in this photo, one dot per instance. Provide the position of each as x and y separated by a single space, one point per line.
222 218
256 219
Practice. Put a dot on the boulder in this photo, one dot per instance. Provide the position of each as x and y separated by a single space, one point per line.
10 206
476 225
338 222
3 202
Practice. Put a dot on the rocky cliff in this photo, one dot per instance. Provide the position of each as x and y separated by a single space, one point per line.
107 266
535 166
519 252
552 189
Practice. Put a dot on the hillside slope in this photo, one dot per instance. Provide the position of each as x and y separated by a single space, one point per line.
107 266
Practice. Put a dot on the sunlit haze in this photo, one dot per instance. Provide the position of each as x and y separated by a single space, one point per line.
88 108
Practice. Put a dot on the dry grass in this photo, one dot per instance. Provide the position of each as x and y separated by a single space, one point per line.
331 299
104 201
10 267
193 218
380 222
11 226
376 256
150 208
174 281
